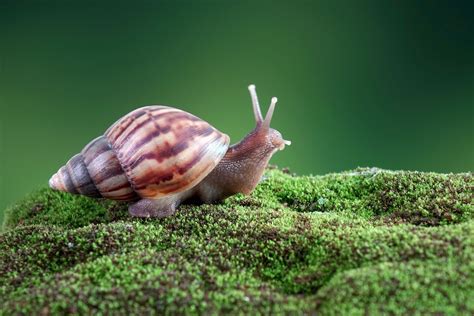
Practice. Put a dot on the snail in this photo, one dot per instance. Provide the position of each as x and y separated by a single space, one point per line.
157 157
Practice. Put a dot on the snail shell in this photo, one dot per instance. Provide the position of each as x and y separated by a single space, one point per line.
152 152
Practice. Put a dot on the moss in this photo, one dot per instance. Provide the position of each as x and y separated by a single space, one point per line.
364 241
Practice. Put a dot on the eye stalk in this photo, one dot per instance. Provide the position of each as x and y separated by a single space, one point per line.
268 117
264 124
256 106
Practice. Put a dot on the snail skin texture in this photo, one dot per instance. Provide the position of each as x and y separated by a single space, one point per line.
158 157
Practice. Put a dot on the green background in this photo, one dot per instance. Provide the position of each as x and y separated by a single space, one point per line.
380 83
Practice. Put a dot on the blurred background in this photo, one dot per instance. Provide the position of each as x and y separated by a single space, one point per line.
360 83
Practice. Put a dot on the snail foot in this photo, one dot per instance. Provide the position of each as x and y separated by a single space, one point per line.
153 208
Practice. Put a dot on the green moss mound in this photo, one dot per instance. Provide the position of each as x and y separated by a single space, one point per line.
358 242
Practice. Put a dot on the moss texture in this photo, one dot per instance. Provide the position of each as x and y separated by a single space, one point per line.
358 242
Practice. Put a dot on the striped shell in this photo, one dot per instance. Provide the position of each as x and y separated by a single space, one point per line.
149 153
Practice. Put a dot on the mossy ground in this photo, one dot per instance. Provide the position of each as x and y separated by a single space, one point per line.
365 241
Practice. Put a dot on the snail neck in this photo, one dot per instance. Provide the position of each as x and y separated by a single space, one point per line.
240 170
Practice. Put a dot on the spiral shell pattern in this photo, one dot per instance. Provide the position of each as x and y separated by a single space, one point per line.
151 152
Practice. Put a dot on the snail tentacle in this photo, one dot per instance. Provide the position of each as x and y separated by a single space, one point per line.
268 117
256 106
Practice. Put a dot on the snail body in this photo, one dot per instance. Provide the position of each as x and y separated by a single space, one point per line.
157 157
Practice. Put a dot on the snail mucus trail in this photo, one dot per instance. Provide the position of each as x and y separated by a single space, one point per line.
157 157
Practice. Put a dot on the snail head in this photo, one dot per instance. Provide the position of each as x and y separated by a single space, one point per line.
271 137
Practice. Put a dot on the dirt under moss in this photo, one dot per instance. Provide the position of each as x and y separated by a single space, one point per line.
358 242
